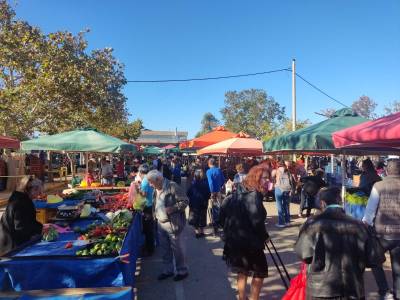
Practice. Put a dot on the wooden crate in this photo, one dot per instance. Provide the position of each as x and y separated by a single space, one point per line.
43 215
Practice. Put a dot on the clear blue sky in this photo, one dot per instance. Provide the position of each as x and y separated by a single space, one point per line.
348 48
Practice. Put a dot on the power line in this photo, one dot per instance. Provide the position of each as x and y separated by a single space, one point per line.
208 78
319 90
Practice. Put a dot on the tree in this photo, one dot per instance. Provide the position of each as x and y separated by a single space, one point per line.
365 107
208 122
393 107
252 111
128 131
50 83
328 112
285 126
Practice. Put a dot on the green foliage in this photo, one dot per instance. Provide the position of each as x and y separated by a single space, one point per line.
128 131
285 126
253 112
208 122
50 83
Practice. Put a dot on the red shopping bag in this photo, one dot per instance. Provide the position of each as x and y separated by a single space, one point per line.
297 288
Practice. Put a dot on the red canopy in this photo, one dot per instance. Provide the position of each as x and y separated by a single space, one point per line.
170 146
217 135
8 142
383 133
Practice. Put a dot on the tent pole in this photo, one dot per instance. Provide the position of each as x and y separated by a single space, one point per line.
87 162
344 173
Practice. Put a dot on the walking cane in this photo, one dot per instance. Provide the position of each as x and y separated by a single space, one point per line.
277 267
279 257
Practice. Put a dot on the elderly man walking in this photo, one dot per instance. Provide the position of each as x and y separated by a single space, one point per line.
383 213
169 206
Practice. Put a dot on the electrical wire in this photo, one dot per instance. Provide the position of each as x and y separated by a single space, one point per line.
238 76
319 90
209 78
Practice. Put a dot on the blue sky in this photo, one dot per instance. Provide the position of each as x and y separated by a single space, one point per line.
347 48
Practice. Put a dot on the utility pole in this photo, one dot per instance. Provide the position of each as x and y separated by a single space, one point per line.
294 99
293 95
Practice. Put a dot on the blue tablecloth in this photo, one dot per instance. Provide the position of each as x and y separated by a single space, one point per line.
35 268
44 204
124 294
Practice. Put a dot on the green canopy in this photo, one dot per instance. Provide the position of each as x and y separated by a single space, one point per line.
83 140
152 150
316 138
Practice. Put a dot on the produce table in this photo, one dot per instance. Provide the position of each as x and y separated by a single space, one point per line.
50 265
102 188
112 293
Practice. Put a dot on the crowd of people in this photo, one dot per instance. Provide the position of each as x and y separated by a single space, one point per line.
336 247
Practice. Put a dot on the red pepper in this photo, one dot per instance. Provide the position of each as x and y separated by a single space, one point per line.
68 245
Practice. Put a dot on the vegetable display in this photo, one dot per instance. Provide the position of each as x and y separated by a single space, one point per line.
50 234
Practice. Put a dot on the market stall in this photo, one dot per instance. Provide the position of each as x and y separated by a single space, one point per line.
241 144
217 135
92 242
380 136
9 143
86 140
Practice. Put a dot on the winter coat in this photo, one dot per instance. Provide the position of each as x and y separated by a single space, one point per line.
337 248
18 223
198 194
243 218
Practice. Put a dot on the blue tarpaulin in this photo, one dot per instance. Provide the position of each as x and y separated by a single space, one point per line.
120 295
60 269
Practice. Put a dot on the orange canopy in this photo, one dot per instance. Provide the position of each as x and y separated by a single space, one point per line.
239 145
217 135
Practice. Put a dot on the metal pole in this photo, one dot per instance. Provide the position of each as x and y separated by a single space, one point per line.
293 95
294 99
344 175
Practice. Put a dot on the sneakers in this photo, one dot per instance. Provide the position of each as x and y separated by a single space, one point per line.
387 296
180 277
280 225
163 276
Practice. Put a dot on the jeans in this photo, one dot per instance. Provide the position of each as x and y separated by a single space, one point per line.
215 209
380 278
393 246
172 248
282 204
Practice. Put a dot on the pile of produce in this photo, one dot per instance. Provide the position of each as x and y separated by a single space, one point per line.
110 245
358 198
50 234
108 237
115 202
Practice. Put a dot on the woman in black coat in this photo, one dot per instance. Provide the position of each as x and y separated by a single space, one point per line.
18 223
198 194
243 217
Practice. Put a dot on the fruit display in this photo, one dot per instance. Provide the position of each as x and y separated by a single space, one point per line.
358 198
110 245
50 234
107 238
120 183
54 199
115 202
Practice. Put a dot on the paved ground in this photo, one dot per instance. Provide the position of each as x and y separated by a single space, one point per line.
209 277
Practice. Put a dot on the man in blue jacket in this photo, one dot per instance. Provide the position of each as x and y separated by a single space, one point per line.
216 181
